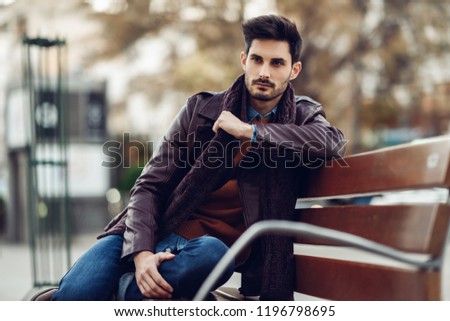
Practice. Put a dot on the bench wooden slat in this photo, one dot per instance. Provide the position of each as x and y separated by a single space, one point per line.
409 166
419 228
415 228
346 280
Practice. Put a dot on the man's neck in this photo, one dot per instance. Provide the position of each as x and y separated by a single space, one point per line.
264 107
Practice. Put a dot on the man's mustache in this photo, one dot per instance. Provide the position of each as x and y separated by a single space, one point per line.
263 82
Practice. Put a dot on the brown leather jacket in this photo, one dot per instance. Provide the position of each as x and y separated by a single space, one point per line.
140 222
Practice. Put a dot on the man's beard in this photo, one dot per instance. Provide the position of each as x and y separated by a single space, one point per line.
260 95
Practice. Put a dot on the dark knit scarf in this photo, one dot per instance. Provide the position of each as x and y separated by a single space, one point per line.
208 174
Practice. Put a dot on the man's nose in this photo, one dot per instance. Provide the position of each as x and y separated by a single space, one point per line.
264 72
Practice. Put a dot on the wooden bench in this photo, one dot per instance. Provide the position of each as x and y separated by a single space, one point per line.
375 250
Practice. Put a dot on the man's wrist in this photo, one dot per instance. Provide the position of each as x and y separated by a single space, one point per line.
246 133
254 133
140 254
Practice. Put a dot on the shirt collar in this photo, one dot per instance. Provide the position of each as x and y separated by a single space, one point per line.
252 113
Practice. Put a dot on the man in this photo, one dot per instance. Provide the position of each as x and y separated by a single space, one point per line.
229 159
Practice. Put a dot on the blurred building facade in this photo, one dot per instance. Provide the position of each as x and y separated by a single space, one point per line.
86 108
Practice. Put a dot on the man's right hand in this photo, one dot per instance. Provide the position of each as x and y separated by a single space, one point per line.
150 282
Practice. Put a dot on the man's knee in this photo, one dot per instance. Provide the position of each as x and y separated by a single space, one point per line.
210 248
199 256
195 262
213 243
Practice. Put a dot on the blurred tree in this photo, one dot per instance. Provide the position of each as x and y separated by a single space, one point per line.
376 52
123 28
364 60
214 25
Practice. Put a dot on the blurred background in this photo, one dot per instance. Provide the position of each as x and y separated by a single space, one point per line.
87 88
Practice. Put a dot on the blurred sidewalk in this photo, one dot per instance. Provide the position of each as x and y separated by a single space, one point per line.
16 278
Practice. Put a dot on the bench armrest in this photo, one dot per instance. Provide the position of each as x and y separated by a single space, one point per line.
294 229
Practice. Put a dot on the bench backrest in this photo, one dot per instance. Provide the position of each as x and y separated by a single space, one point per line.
415 227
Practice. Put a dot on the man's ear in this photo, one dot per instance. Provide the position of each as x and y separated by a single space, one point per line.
296 69
243 59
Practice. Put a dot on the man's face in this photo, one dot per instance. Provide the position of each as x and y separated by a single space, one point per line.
268 69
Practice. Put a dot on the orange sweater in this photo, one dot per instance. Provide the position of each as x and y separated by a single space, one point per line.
219 216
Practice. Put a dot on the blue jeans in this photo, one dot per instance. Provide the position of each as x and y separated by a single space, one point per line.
96 275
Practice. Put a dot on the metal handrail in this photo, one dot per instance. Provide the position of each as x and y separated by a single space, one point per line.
290 228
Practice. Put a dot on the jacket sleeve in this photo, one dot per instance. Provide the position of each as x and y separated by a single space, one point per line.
153 187
311 135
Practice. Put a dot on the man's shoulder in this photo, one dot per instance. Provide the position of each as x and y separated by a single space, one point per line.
206 95
307 107
206 102
301 100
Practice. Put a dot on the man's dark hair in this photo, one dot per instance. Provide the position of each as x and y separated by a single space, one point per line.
273 27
